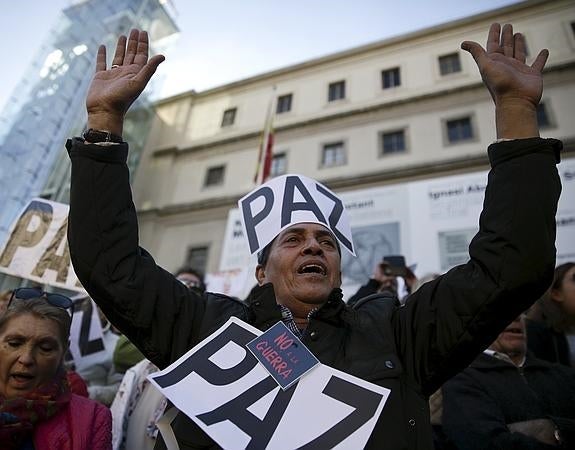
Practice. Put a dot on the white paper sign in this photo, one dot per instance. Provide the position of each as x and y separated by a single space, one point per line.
86 337
37 248
291 199
221 386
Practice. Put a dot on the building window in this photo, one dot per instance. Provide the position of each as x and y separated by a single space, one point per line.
459 130
284 104
229 117
333 155
543 118
197 258
390 78
393 142
573 28
215 176
279 165
449 64
336 91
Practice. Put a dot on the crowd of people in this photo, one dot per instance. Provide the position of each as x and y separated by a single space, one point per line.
482 356
518 393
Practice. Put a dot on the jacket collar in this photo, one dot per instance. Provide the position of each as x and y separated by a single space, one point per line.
487 362
262 302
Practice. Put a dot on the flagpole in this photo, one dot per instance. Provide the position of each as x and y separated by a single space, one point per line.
265 154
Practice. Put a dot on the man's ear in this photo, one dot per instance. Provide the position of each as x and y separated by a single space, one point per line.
556 296
260 274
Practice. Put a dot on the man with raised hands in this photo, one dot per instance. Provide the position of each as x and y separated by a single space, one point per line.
410 349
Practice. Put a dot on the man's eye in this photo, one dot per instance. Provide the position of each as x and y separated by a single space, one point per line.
14 344
47 348
328 242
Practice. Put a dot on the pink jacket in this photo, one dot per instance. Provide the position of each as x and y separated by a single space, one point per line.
84 425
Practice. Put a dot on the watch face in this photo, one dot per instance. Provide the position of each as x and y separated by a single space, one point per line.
94 136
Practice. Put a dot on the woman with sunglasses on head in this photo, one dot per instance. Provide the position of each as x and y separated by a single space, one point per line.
37 409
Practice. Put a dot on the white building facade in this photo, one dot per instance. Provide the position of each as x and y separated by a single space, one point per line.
399 128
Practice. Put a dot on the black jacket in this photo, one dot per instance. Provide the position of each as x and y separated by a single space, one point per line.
411 349
481 401
546 343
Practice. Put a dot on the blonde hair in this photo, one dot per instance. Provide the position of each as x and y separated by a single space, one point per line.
40 307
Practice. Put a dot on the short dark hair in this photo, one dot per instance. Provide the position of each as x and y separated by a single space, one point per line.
41 308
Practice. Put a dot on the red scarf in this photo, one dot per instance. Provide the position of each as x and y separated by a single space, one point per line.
19 415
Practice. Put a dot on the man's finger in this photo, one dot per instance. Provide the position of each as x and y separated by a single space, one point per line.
120 50
132 47
507 40
493 38
540 61
520 50
101 58
479 55
141 57
149 69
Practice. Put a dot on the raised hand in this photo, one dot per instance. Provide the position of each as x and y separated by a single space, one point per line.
113 90
515 87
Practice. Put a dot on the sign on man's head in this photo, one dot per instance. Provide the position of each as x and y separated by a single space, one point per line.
291 199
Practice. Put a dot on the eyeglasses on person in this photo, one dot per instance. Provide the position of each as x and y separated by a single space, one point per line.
58 300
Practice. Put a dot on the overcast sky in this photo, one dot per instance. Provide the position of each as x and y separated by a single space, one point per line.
227 40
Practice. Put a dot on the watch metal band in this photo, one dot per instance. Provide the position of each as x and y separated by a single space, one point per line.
94 136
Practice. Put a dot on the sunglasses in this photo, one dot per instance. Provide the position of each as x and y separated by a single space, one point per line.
58 300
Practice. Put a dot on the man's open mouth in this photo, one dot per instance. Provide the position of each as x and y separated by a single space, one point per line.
312 268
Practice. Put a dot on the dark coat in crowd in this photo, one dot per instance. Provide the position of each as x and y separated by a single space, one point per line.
546 343
480 403
411 349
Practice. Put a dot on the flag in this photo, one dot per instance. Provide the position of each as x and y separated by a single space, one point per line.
265 154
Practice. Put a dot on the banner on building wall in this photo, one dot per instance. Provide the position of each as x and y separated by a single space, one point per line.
430 222
445 217
565 242
223 388
377 218
37 247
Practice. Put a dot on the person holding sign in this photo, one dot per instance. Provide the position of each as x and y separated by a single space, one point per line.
411 349
37 409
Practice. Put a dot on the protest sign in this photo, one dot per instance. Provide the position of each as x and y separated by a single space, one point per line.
291 199
221 386
86 336
37 248
282 354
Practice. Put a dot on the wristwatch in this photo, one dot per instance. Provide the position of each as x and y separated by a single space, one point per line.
94 136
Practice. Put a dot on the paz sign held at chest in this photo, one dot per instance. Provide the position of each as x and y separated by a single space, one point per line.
291 199
223 388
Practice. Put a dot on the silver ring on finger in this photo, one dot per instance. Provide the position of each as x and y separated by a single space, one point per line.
114 66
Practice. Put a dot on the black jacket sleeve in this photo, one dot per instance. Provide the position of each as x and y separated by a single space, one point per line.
448 321
157 312
368 288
